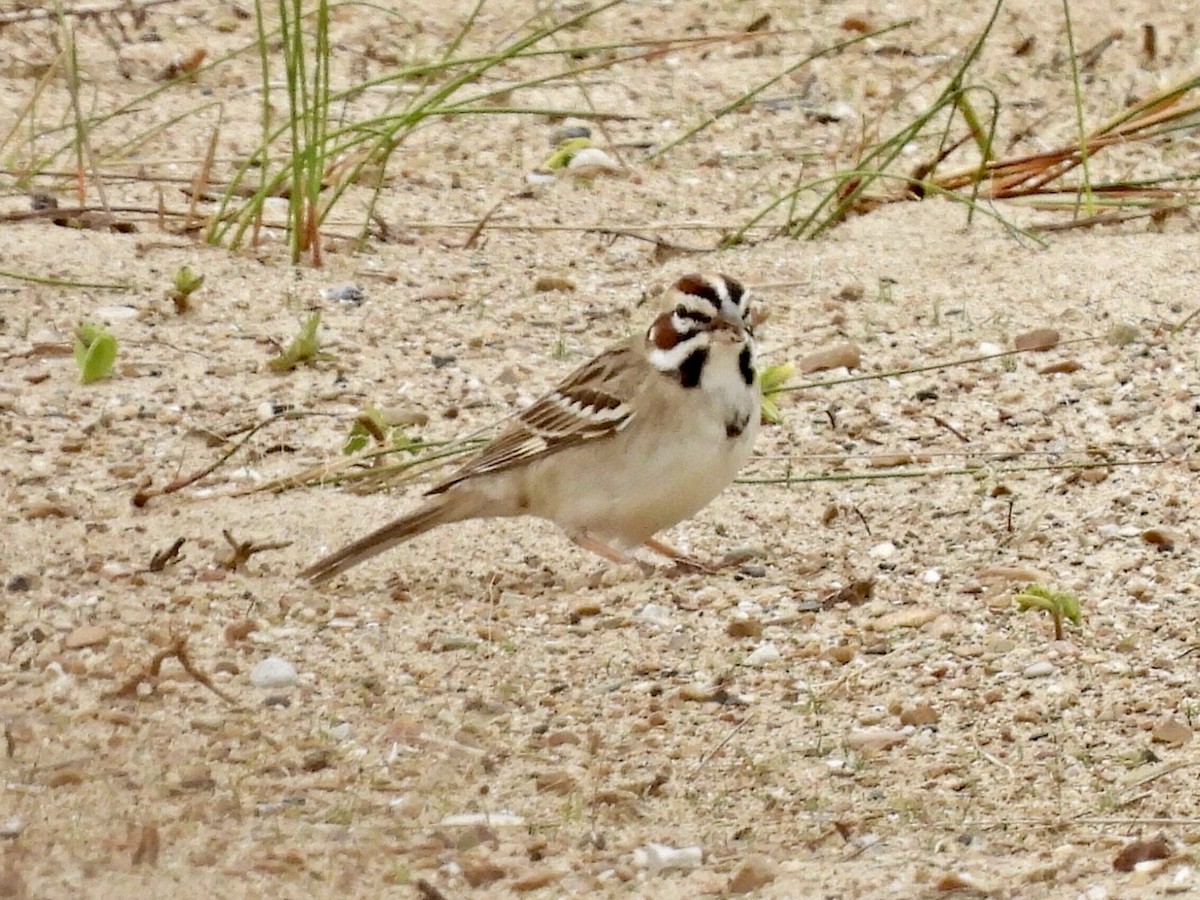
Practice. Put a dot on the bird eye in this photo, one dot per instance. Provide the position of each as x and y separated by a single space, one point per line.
681 311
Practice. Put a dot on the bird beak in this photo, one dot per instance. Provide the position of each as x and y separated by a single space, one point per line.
727 323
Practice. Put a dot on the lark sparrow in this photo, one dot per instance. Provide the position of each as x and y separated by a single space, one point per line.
632 442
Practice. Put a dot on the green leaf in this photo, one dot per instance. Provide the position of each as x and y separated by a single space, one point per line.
183 285
95 353
561 157
1061 603
186 281
771 379
305 347
368 425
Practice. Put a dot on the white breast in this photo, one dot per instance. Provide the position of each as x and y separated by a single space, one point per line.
654 474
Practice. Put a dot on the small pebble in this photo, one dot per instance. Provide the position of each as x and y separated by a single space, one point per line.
1181 881
491 820
557 781
1122 334
115 313
1040 669
273 673
592 161
699 693
884 550
958 881
1171 731
344 293
569 133
838 356
451 642
763 656
1037 339
911 617
12 828
744 627
1164 539
547 283
874 740
1140 851
754 873
655 615
919 715
535 880
86 636
851 291
655 858
1063 367
480 874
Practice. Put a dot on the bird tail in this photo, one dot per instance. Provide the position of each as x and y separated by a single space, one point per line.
440 511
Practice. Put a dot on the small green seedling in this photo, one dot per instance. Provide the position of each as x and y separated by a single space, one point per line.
371 425
304 348
564 153
368 425
95 353
1059 604
771 380
185 283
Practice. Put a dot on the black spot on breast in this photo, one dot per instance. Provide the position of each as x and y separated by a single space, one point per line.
735 426
746 366
693 366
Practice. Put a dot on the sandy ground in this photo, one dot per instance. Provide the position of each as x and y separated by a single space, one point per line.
490 711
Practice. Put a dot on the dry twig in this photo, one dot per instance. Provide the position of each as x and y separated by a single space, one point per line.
177 650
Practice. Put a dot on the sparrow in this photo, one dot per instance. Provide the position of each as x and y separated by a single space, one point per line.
639 438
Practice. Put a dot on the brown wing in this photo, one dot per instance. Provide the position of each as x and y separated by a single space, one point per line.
592 404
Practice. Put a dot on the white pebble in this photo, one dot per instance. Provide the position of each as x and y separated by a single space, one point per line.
655 858
12 828
273 673
1181 881
931 576
115 313
883 550
1039 669
594 158
494 819
763 655
655 614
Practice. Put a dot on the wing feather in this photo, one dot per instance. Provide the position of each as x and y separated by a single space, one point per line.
593 403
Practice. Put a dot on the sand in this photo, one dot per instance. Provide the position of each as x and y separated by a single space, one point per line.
855 708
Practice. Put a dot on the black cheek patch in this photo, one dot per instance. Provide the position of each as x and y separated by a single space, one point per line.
745 366
689 372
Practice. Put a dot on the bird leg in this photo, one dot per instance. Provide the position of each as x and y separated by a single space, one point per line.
587 542
684 563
